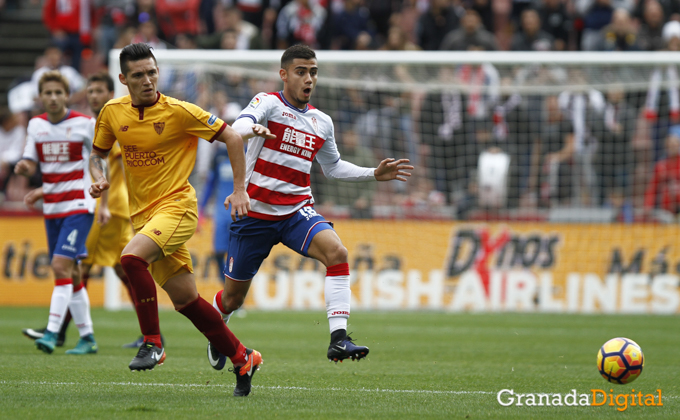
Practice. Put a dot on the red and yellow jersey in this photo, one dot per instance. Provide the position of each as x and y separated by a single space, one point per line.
158 145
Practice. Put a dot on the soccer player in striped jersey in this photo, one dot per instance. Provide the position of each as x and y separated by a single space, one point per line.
281 202
60 141
159 136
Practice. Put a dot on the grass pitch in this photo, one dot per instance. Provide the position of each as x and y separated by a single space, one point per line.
421 365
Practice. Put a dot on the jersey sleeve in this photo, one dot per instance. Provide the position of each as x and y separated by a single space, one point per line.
199 123
329 151
258 109
104 136
29 149
116 151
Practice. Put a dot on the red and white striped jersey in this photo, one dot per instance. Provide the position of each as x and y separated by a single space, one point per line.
63 150
277 170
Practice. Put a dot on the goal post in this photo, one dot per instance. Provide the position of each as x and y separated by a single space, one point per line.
542 179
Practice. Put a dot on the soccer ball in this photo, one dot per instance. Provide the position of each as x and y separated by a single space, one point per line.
620 360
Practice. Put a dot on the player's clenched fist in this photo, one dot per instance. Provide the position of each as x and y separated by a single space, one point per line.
97 187
240 204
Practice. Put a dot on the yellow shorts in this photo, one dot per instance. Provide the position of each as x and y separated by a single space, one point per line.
105 243
171 227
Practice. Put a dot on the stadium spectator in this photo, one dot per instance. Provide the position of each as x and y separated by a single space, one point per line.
651 28
470 34
12 135
584 108
596 15
177 16
663 190
229 40
53 61
442 131
556 21
397 40
531 37
486 13
147 32
259 13
299 22
439 19
357 197
614 153
662 105
231 19
620 34
671 9
71 23
111 19
557 151
142 10
348 24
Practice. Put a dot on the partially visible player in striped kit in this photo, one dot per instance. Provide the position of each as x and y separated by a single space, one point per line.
281 202
61 140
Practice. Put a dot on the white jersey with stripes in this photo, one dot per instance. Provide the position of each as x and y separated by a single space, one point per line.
63 151
277 170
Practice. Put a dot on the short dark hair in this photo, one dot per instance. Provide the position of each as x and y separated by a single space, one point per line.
296 51
135 52
101 77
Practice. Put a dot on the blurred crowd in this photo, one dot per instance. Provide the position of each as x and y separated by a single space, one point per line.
485 151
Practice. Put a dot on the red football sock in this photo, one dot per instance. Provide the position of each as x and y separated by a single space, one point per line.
206 319
146 302
126 282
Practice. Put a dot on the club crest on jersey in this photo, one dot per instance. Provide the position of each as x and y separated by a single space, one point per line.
316 125
68 133
212 119
255 102
159 127
231 263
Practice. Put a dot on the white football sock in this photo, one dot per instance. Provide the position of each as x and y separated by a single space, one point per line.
337 294
80 311
61 295
225 317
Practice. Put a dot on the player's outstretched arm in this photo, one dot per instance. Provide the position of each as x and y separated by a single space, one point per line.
99 172
390 169
239 200
248 130
25 167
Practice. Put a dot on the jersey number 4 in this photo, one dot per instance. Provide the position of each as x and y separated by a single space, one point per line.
72 237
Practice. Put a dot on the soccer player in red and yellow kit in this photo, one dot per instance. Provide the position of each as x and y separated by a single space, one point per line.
159 136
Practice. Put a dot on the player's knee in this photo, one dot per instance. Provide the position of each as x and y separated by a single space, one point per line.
61 269
337 255
180 301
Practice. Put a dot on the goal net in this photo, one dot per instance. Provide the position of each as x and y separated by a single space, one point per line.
542 181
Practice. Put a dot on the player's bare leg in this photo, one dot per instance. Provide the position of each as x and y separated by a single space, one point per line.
187 301
231 298
327 247
135 259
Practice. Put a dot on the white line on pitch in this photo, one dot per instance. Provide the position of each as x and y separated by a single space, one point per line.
286 388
